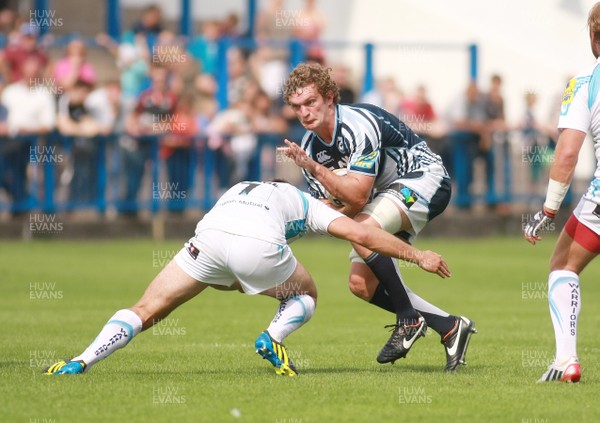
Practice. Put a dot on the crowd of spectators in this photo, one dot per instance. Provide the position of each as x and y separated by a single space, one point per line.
166 89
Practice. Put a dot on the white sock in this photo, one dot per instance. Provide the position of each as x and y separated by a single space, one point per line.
292 313
418 302
117 333
564 300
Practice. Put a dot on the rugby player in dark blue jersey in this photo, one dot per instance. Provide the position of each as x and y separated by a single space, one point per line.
364 161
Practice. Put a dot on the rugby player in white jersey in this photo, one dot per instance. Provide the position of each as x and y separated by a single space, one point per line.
242 243
579 241
392 181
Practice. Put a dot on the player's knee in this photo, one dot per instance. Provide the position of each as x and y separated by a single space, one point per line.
148 315
358 287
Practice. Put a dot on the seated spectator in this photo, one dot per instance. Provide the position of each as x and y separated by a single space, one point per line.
31 114
76 122
73 67
12 59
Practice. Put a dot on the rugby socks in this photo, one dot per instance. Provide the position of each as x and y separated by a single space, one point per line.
383 268
436 318
564 299
117 333
293 312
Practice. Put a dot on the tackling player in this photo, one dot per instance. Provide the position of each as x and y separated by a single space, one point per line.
579 241
242 243
393 182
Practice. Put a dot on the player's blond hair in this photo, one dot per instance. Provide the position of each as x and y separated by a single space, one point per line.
306 74
594 21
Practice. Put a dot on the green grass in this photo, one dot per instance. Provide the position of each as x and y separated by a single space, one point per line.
203 363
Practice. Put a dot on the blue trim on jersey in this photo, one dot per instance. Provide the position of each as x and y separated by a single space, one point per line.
297 227
334 130
127 326
594 87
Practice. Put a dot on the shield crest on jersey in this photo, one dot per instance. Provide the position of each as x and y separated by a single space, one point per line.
341 145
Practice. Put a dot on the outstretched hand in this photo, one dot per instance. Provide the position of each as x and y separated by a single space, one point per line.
294 152
434 263
541 221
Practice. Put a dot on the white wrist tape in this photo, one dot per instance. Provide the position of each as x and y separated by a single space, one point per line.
555 194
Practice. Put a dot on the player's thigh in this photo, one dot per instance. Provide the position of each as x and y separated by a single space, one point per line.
579 241
299 283
169 289
410 202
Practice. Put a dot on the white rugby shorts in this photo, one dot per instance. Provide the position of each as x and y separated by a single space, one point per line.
216 257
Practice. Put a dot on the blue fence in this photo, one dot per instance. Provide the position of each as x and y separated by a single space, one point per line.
62 174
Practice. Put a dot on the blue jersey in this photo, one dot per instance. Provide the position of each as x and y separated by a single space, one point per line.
371 141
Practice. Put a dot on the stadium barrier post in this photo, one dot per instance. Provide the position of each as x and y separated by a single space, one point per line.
101 182
155 203
473 61
222 75
297 53
209 168
113 19
369 74
49 176
185 23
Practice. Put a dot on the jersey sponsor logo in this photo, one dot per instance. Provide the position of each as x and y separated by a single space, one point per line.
323 157
408 197
570 91
367 161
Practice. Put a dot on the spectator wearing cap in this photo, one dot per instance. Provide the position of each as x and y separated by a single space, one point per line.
14 57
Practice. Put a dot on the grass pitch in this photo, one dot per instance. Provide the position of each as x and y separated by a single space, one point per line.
199 365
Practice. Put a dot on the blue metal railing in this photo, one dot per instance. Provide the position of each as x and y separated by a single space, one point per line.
191 179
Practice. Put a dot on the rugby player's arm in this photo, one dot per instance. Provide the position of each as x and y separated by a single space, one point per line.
353 189
378 240
565 157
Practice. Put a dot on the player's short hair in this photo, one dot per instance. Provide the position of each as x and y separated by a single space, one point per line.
594 21
306 74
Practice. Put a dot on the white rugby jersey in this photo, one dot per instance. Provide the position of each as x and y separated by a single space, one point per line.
272 211
368 140
580 109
